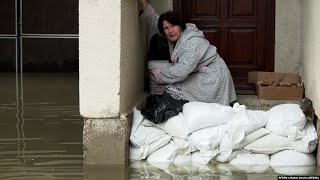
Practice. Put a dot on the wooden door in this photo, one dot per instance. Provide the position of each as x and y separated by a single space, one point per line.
242 31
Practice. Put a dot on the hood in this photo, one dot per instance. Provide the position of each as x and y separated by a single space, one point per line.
190 32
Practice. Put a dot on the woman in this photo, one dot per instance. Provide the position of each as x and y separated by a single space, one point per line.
198 72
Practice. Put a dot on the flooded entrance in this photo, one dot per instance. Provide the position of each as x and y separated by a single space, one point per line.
41 138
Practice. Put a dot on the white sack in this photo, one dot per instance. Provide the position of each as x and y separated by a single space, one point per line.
140 153
170 151
269 144
248 158
226 155
142 135
308 143
286 120
257 119
226 143
182 146
200 115
244 122
166 154
175 126
135 153
250 162
203 157
182 160
207 138
292 158
136 120
297 170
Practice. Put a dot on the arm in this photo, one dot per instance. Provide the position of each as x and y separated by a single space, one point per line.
143 4
149 15
187 63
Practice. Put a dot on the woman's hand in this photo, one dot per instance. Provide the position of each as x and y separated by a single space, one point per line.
143 3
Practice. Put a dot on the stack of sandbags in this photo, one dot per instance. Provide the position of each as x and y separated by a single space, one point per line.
145 139
206 132
291 141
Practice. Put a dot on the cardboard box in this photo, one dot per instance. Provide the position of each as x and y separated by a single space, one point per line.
277 86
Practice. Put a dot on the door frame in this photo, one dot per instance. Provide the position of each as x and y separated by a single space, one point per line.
271 6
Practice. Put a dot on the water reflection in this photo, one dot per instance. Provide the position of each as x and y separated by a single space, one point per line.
220 171
40 127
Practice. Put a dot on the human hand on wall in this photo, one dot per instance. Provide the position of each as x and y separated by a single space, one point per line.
143 4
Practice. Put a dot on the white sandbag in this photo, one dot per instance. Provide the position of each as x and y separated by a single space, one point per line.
226 155
235 132
145 135
207 138
269 144
226 143
308 143
203 157
245 157
257 119
182 160
250 162
135 153
166 154
182 146
244 122
295 170
292 158
136 120
170 151
175 126
200 115
142 135
142 152
286 120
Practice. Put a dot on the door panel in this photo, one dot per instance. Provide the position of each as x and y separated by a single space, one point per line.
208 11
241 46
242 9
242 31
212 34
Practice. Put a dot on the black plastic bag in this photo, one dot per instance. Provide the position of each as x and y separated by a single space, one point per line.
159 108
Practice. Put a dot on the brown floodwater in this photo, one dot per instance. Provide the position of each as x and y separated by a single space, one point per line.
41 138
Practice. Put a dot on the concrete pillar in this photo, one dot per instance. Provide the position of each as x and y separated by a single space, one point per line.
99 75
111 51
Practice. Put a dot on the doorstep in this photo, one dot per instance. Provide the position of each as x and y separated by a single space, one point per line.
252 102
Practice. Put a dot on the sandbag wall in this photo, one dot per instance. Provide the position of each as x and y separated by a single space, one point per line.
209 133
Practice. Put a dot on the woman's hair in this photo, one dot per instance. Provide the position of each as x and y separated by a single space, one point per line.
173 18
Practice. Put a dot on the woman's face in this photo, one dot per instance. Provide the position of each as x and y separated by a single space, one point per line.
172 32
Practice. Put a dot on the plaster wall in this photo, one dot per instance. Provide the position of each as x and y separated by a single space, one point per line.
99 54
288 36
162 6
310 51
133 54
